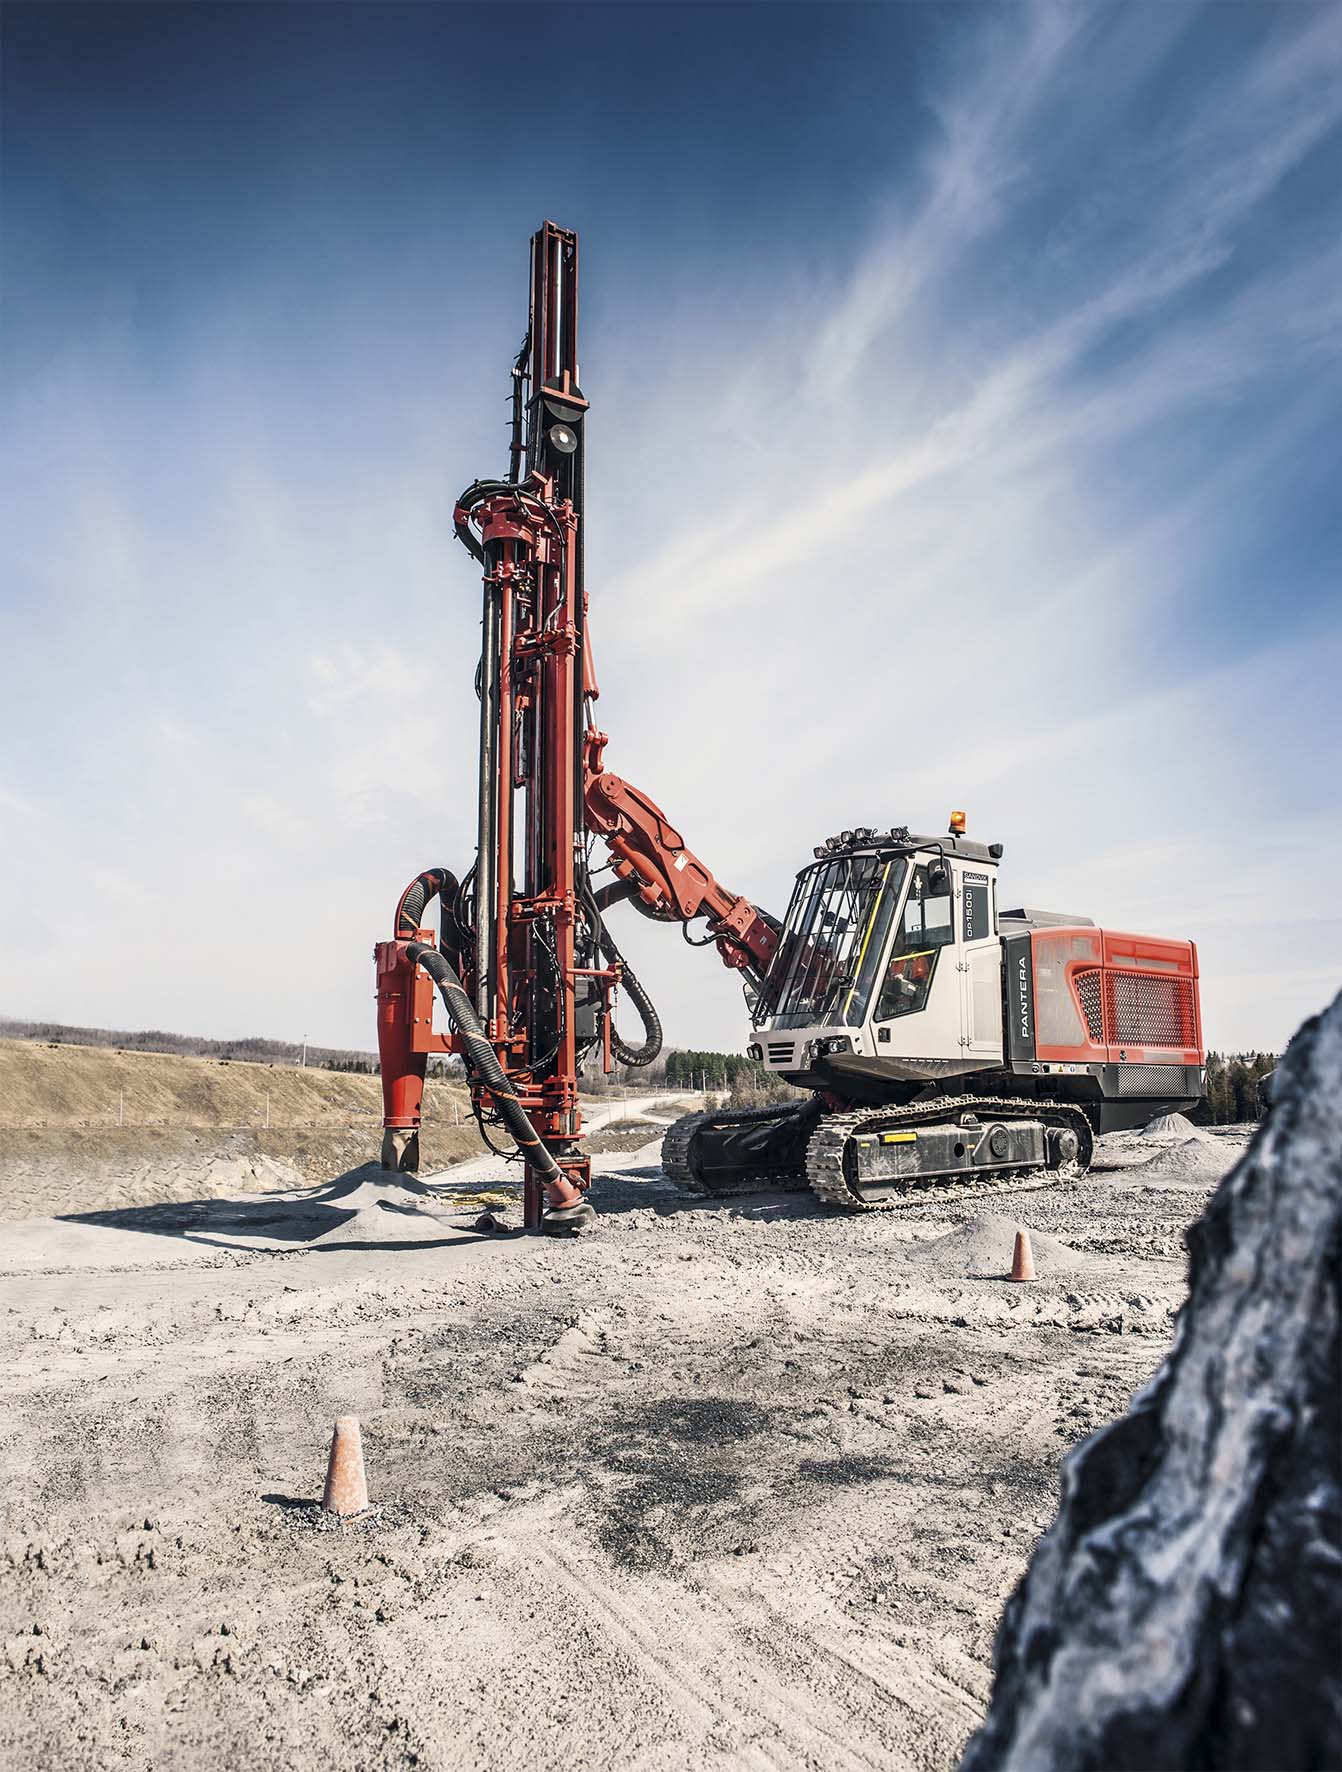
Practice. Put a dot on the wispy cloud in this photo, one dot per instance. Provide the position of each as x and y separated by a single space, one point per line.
982 589
1010 393
957 511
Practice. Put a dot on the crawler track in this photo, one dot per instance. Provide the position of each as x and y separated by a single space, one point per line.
829 1174
826 1169
678 1153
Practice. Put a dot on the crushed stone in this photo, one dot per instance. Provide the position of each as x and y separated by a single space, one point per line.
1176 1126
982 1247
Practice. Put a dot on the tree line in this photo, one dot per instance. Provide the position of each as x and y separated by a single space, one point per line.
712 1070
1233 1093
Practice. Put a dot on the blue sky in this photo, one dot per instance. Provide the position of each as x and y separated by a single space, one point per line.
966 403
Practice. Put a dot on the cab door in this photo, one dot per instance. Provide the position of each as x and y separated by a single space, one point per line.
979 963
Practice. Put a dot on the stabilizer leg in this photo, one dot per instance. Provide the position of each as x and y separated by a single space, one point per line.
400 1149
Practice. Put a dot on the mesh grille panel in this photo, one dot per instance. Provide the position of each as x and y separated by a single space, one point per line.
1146 1010
1156 1079
1092 1004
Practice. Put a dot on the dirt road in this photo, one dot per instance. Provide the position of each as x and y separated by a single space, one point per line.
739 1484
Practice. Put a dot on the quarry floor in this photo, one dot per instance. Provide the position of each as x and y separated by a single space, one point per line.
720 1484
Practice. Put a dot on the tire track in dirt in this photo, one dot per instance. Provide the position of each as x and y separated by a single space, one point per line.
709 1636
892 1674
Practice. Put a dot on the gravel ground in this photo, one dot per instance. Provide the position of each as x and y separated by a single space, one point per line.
722 1484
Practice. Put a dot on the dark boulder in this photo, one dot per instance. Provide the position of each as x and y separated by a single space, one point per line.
1185 1609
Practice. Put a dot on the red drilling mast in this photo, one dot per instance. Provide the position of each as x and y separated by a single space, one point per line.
522 959
939 1042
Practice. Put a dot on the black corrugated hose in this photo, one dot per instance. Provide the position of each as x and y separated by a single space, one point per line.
422 890
635 1056
616 892
482 1058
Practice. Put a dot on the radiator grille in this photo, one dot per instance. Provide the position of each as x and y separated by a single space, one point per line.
781 1053
1144 1010
1092 1003
1136 1008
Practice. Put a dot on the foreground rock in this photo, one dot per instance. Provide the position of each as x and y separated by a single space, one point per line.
1185 1610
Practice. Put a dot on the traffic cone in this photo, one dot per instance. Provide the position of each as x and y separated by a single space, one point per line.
346 1489
1022 1258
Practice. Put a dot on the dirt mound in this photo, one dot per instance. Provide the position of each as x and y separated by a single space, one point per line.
1175 1126
981 1249
367 1206
1192 1159
364 1209
382 1209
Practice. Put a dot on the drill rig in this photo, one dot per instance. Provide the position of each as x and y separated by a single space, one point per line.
941 1046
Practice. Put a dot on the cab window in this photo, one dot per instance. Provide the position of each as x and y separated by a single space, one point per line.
925 928
927 916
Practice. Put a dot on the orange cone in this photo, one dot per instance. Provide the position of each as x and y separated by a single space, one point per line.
1022 1258
346 1489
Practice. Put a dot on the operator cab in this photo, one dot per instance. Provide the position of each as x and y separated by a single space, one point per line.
888 967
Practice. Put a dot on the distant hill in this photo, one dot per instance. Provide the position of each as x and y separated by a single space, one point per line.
83 1128
251 1049
59 1083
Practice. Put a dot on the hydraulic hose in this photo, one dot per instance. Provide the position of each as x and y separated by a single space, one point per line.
636 1056
613 892
616 892
483 1060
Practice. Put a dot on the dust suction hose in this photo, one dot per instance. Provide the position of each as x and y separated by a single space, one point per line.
484 1062
423 889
